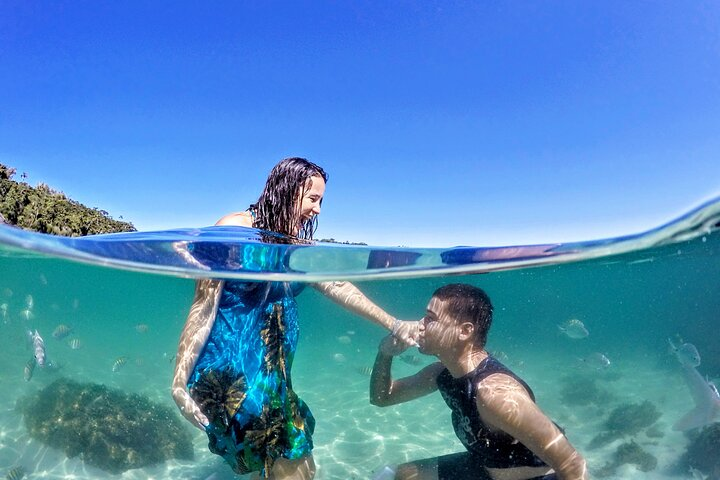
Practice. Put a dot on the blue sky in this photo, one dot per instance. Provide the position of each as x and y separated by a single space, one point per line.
440 123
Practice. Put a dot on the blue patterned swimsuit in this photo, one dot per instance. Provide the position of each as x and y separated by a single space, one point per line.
241 380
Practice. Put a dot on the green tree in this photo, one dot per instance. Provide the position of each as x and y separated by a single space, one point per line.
45 210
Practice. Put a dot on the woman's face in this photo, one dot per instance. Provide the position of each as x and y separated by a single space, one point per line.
309 200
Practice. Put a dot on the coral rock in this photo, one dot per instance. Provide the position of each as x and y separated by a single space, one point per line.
106 428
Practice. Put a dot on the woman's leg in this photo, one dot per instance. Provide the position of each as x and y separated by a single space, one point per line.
299 469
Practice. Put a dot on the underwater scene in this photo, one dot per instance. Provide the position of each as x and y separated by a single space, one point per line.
619 340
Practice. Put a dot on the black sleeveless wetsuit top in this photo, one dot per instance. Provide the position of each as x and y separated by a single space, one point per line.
495 449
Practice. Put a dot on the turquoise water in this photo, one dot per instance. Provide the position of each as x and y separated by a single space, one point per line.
632 294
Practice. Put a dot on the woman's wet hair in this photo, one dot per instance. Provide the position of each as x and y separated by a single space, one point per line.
277 209
467 303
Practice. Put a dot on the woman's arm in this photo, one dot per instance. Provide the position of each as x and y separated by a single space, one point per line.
192 340
349 296
505 405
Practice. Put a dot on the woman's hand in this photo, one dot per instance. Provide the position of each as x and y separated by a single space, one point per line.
189 408
406 331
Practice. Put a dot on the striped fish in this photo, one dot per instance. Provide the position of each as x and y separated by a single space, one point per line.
38 347
75 343
119 363
62 331
29 369
15 474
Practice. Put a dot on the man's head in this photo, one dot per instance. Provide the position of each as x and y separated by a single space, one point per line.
456 314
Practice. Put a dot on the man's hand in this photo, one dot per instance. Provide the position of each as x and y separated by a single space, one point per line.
392 347
406 331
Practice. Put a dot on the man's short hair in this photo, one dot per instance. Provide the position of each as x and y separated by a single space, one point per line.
467 303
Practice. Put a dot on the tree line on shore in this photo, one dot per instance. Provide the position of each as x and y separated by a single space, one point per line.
42 209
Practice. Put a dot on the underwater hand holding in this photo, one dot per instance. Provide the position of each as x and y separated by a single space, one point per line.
406 331
392 347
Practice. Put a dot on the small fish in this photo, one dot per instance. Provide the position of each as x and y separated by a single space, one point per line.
61 331
705 395
29 369
75 304
500 355
119 363
53 366
16 473
366 371
141 328
27 314
339 357
596 360
7 292
686 353
344 339
4 310
574 329
29 301
75 343
411 359
38 345
43 279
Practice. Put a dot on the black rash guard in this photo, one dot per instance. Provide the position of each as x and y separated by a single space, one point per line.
493 449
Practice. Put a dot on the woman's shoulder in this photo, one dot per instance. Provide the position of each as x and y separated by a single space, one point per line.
239 219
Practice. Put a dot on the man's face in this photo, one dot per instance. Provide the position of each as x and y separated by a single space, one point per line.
437 330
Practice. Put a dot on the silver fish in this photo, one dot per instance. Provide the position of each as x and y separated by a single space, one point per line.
704 393
574 329
686 353
29 369
596 360
38 348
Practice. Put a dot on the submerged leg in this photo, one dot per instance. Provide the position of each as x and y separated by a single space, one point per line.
299 469
426 469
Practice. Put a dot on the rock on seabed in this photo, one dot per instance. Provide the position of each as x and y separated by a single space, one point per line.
105 427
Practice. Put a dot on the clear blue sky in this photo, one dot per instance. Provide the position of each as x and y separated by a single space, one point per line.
440 123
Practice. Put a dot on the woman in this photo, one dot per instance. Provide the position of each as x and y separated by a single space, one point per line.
232 373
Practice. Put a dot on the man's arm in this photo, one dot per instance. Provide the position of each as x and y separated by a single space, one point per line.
384 391
349 296
505 405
